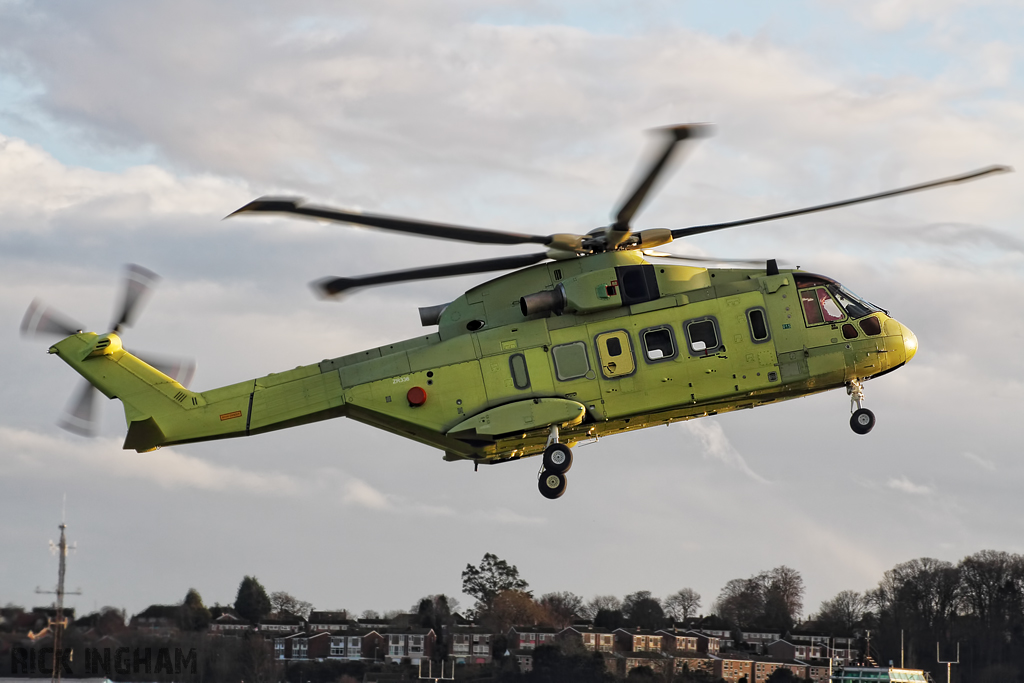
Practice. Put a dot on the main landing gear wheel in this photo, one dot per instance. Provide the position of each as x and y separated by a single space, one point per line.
552 484
862 421
557 458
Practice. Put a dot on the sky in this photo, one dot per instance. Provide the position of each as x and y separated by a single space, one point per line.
129 130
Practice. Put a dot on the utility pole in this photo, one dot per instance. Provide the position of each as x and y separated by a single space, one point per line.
950 662
59 622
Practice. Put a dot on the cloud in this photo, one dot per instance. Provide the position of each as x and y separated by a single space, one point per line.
981 462
36 455
716 445
505 516
358 492
904 485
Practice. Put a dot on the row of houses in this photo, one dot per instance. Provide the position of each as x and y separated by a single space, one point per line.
666 650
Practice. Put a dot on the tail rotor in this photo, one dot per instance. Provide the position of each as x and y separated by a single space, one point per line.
42 320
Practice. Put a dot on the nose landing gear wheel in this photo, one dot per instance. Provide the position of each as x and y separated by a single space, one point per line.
557 458
862 421
551 484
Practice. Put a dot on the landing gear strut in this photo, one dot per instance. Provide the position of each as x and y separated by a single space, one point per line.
863 420
556 462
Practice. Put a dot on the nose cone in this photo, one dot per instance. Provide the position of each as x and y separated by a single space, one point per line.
909 343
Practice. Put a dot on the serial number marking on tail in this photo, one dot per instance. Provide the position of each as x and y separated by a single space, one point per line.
399 380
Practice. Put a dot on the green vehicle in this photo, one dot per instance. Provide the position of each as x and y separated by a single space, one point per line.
596 335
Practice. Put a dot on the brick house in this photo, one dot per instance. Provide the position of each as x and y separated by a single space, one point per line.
683 660
292 646
732 666
758 640
528 637
358 644
659 662
157 620
523 658
592 639
690 641
228 624
637 640
416 644
278 623
327 621
766 666
470 644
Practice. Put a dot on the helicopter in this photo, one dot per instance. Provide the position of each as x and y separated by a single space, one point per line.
592 336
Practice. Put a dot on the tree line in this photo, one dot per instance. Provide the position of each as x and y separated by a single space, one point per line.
977 602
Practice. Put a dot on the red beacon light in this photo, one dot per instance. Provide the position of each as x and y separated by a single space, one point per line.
417 396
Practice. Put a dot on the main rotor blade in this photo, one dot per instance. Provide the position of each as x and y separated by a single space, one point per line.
138 282
676 135
411 226
42 320
80 415
336 285
962 178
705 259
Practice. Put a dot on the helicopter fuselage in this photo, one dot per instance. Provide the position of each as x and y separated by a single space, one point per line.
589 347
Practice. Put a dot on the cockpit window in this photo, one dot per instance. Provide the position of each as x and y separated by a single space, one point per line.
854 305
820 307
829 308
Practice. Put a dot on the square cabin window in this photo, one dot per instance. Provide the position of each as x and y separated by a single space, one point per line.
658 344
702 336
570 361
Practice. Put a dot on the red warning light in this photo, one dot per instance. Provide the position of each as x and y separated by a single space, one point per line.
417 396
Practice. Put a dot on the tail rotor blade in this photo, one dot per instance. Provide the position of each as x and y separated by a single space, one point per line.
44 321
181 370
80 415
138 282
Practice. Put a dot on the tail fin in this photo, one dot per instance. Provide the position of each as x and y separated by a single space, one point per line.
158 409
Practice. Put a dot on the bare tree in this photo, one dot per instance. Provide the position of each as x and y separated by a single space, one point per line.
682 604
598 603
285 602
563 607
771 599
842 613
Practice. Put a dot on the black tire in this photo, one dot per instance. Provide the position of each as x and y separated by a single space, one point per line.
862 421
551 484
557 458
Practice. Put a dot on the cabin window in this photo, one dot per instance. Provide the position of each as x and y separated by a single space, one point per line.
520 375
570 360
702 336
658 344
758 324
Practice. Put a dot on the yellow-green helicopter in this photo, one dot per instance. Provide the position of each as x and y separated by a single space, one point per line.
585 339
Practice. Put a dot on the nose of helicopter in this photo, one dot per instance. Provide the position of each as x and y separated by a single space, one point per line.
909 343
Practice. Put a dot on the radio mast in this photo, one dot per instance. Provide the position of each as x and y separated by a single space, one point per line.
59 622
